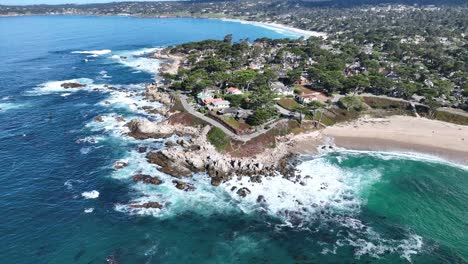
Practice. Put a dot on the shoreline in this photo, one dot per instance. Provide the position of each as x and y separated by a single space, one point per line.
280 28
423 136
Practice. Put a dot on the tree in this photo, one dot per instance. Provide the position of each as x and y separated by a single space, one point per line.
228 39
261 115
243 78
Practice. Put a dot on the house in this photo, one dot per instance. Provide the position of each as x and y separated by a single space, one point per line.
208 101
285 91
218 104
235 112
303 81
202 96
233 90
308 97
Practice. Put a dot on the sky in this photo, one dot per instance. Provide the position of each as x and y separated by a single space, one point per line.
55 2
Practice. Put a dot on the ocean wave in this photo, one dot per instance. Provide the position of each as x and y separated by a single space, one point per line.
398 155
325 195
138 60
88 210
56 87
93 53
10 106
130 98
90 195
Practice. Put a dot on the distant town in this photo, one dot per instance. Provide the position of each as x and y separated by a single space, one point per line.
379 49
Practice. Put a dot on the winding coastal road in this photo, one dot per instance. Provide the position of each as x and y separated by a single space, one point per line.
243 138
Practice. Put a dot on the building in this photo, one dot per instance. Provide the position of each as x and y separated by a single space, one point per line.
306 98
218 105
208 101
202 96
285 91
233 90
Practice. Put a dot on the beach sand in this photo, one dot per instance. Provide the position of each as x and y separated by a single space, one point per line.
280 28
403 134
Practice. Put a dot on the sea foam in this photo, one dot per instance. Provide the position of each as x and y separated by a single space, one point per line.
93 53
90 195
138 60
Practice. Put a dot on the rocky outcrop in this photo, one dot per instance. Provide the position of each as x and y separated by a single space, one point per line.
243 192
188 187
72 85
153 95
143 129
170 164
147 179
98 119
120 165
147 205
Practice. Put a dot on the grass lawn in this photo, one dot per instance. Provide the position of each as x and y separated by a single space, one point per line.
289 104
301 89
231 121
219 139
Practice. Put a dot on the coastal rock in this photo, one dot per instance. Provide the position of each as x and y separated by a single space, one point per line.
143 129
188 187
170 144
152 94
216 181
119 119
169 165
98 119
142 149
120 165
243 192
261 199
72 85
147 179
147 205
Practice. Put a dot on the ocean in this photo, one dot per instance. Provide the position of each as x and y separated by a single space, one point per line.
62 201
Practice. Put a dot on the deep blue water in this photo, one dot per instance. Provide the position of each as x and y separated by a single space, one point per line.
52 153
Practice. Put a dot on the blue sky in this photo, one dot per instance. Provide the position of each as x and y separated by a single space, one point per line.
54 2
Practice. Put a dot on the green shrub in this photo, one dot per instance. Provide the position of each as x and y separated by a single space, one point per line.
219 139
352 103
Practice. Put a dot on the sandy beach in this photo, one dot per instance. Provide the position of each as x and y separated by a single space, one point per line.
403 134
280 28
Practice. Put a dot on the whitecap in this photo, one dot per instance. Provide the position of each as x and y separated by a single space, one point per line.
9 106
85 150
56 86
138 60
90 195
93 53
88 210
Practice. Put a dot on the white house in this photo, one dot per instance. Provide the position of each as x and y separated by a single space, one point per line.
284 91
217 105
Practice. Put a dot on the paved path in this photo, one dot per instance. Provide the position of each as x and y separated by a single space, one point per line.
244 138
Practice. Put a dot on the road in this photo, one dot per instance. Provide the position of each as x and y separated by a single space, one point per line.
244 138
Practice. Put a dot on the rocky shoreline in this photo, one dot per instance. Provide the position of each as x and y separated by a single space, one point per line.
194 154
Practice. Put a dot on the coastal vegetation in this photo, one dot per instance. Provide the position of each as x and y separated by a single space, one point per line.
219 139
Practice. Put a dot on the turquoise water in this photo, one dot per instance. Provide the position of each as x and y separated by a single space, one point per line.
62 202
